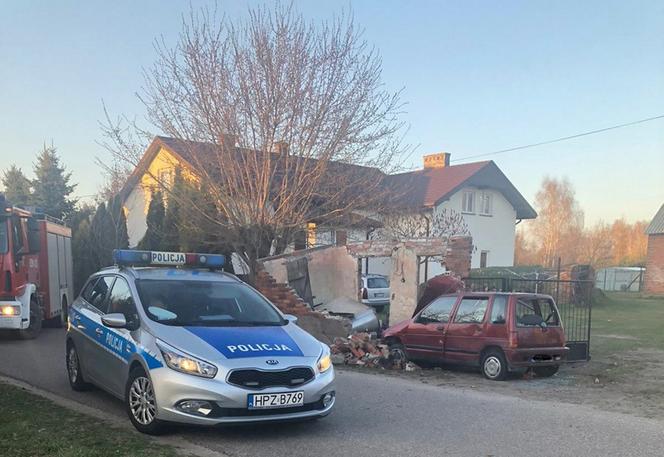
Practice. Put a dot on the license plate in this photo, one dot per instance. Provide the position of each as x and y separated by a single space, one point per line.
379 295
277 400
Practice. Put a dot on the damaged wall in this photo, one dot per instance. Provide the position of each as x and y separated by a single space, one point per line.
333 270
404 275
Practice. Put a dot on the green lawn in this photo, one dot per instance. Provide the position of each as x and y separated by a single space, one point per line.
625 321
33 426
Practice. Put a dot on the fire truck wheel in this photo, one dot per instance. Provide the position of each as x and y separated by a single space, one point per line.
61 320
35 322
64 313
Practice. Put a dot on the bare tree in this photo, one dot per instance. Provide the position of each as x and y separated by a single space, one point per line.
436 224
559 224
407 225
298 119
595 245
126 141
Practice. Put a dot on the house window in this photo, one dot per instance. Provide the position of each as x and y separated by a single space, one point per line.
311 234
484 255
341 237
166 177
486 204
468 203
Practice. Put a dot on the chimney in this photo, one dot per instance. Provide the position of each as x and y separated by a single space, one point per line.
437 160
280 147
227 141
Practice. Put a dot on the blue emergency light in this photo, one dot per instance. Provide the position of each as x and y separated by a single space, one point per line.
130 257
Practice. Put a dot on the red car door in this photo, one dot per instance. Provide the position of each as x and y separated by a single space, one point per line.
465 335
530 312
424 337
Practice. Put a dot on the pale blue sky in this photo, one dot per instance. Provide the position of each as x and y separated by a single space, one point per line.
478 77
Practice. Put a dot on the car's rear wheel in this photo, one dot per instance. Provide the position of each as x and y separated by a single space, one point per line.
74 372
35 325
494 365
141 404
546 372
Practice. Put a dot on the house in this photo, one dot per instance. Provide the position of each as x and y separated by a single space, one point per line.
488 202
654 279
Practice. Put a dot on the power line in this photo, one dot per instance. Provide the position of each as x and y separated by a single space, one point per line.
564 138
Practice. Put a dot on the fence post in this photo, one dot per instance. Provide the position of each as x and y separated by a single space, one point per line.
558 283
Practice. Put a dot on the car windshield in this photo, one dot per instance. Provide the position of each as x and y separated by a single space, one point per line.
4 239
377 283
205 304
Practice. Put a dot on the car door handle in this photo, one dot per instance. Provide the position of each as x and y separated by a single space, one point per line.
99 331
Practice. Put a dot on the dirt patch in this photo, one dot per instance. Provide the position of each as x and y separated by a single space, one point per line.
630 382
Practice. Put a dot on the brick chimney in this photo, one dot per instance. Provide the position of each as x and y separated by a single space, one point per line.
280 147
227 141
437 160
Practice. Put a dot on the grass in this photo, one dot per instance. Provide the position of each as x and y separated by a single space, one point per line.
33 426
624 321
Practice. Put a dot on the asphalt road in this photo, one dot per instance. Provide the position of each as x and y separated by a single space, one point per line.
385 416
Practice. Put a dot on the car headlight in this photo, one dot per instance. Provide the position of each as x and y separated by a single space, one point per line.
324 361
10 310
185 363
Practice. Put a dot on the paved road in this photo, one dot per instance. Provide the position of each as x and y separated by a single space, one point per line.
386 416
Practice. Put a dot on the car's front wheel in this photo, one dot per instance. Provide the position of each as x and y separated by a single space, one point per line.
141 404
398 355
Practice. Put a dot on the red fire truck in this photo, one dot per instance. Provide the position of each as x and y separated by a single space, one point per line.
36 281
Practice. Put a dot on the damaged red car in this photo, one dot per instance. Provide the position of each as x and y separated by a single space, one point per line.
499 332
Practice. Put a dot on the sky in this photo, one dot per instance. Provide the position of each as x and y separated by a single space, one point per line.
477 77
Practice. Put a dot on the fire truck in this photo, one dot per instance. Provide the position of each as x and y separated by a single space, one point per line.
36 282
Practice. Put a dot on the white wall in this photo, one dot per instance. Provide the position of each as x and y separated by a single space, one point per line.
494 233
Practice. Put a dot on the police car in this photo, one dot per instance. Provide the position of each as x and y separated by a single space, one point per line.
181 342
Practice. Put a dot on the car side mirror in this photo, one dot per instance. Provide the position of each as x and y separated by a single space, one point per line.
114 320
290 318
543 325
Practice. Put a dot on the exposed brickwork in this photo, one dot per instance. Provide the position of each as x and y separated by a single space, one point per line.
282 295
457 258
654 278
322 327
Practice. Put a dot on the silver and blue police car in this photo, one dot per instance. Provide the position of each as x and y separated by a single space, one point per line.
181 342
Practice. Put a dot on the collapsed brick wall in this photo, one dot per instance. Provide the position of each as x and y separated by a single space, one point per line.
282 295
322 327
654 276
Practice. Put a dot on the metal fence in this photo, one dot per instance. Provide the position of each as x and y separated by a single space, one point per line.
574 300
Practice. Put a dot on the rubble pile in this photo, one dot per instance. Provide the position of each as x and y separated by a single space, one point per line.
363 349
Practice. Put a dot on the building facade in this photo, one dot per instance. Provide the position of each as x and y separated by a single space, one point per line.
479 192
654 278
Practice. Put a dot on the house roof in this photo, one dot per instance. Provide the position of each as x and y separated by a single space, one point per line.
430 187
656 226
415 189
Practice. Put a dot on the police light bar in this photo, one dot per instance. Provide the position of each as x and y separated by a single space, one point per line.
130 257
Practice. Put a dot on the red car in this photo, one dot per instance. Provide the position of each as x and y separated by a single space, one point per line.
500 332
